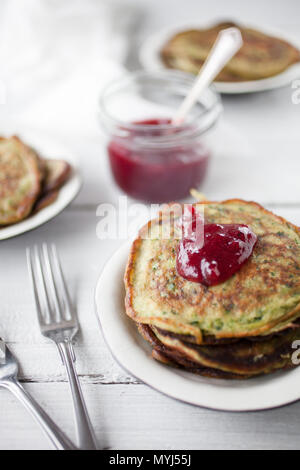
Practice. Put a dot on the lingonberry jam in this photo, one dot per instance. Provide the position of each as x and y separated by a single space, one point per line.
161 172
217 255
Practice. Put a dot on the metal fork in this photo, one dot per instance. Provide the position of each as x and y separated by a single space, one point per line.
58 322
8 380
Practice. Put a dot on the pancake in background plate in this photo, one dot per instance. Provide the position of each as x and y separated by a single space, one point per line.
28 183
261 56
56 173
241 327
20 180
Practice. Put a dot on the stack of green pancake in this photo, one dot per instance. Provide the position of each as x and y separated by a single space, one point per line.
261 56
240 328
28 183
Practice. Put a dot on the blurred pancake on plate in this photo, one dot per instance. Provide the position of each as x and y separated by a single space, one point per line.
261 55
28 183
269 58
56 173
20 180
37 181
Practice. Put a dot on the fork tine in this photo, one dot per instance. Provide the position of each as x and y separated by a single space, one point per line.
53 286
42 282
64 290
34 287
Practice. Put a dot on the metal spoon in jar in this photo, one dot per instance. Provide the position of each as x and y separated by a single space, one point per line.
228 43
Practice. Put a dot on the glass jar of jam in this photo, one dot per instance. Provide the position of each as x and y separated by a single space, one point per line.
151 159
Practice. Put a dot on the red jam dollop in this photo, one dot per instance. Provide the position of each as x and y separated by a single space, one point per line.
159 174
217 255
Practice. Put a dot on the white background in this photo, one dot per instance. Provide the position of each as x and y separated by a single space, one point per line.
256 157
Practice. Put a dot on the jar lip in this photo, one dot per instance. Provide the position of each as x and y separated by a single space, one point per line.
176 75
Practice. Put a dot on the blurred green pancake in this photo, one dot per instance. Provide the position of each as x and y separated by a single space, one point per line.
261 56
28 183
20 180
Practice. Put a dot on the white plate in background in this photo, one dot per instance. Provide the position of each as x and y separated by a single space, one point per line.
149 57
48 148
133 353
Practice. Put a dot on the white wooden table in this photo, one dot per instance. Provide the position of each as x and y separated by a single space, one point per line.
257 157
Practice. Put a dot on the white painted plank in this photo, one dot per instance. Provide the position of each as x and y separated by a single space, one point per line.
136 417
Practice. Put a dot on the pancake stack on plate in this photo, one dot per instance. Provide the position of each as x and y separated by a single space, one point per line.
261 56
237 329
28 183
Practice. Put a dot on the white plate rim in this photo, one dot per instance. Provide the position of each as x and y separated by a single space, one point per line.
150 60
132 353
67 193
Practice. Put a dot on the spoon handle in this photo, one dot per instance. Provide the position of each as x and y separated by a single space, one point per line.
227 44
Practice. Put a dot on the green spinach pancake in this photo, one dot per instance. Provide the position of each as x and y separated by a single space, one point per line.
20 180
28 183
239 328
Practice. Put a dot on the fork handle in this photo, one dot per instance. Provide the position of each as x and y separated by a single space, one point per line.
52 431
85 435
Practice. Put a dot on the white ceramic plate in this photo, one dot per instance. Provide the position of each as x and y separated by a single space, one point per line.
133 353
150 59
47 148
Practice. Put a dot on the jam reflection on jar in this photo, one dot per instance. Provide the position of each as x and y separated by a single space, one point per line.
161 172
